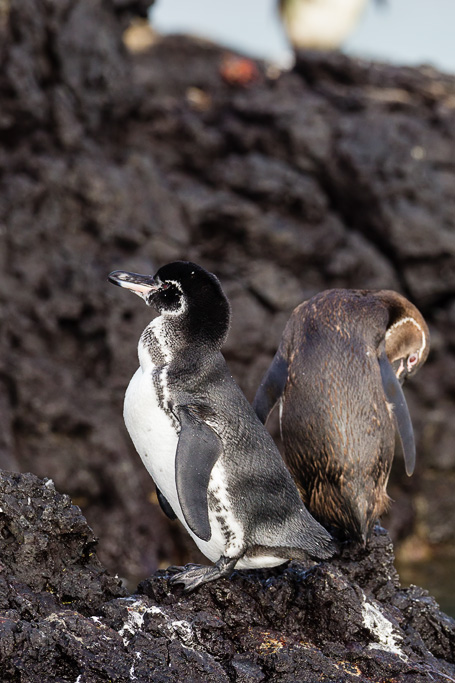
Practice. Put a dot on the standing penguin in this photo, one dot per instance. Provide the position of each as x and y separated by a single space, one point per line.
337 375
215 466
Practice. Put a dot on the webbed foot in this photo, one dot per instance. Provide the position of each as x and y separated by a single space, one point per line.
194 576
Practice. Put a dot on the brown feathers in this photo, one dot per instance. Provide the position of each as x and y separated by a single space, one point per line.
337 375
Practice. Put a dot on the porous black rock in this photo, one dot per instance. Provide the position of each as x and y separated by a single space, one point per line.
338 173
46 545
63 618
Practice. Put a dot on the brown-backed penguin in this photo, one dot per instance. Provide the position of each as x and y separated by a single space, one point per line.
337 375
215 465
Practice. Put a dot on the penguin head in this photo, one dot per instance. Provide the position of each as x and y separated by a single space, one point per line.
407 338
186 295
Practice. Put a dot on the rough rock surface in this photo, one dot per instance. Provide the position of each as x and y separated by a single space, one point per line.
63 618
339 173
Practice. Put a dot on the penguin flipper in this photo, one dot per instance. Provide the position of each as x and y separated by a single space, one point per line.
271 387
395 396
198 449
164 505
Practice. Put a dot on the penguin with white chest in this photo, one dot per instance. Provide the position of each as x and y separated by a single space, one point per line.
215 466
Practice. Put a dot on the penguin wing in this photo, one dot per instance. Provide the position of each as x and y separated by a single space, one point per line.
198 449
271 387
395 396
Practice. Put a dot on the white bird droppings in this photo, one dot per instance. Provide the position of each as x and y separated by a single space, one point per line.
136 613
382 629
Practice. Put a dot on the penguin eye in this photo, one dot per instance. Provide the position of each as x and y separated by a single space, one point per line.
412 360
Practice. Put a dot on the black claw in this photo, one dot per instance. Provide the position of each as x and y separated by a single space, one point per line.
194 577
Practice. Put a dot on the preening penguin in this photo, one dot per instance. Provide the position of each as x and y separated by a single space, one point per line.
337 375
215 466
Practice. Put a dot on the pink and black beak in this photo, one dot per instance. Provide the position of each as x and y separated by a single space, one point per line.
142 285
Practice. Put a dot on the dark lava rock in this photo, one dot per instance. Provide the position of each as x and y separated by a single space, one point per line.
63 618
338 174
45 543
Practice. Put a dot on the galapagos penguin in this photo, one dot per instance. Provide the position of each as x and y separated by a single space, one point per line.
215 466
337 375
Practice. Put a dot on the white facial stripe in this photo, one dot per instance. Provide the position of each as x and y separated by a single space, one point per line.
161 330
175 283
182 308
408 319
178 311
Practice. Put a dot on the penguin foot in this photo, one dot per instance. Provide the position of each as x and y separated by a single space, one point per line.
196 576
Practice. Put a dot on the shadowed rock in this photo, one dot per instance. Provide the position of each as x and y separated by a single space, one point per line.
63 618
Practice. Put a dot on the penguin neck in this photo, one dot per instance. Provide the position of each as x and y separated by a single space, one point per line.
162 343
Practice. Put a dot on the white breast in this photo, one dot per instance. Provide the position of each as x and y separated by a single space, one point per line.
153 433
155 438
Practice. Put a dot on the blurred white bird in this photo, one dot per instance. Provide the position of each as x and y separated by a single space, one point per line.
320 24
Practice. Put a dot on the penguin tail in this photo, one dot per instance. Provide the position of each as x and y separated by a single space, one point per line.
298 537
315 541
322 547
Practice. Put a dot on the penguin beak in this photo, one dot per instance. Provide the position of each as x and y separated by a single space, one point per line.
142 285
399 369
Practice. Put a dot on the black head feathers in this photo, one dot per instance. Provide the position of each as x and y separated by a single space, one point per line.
187 295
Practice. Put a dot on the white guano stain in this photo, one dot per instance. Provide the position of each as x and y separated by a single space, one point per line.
183 629
382 629
136 613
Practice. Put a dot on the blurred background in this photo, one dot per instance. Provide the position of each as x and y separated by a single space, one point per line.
124 148
399 31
